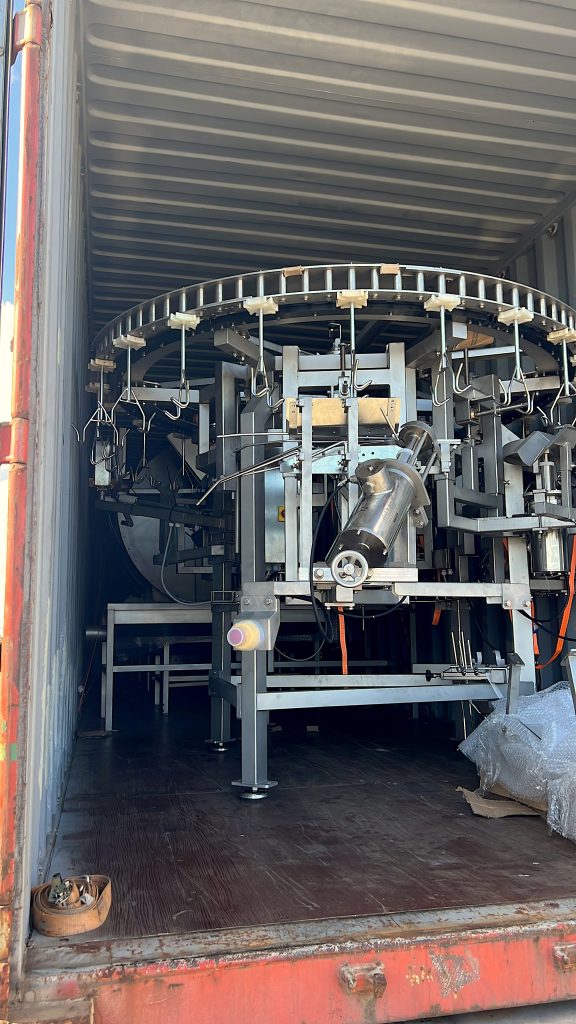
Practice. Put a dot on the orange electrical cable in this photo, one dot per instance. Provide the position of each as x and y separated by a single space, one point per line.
567 609
342 635
535 644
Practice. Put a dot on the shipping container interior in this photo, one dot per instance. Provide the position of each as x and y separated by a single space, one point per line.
228 137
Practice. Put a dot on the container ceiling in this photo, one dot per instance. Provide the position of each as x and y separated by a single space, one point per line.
231 135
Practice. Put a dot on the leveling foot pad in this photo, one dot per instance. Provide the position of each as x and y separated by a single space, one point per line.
254 792
220 746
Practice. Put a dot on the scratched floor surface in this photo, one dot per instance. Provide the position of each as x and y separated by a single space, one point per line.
366 819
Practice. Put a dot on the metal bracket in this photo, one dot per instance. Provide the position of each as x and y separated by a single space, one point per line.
246 349
447 445
515 666
363 979
515 596
264 609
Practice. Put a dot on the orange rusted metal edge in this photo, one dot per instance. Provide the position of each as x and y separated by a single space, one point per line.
370 979
15 643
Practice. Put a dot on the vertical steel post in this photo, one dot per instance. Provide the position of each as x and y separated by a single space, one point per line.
290 390
220 711
254 778
109 698
519 572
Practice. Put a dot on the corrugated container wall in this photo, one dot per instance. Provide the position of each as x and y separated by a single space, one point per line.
57 468
550 260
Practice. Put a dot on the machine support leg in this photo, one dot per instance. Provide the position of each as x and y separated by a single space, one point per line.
103 682
157 681
109 670
226 425
254 779
220 709
166 677
219 723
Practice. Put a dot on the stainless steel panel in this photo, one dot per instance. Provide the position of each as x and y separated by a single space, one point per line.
275 700
274 523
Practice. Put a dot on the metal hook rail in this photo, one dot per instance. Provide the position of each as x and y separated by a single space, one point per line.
567 390
384 284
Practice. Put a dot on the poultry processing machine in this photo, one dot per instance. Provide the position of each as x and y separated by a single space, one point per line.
366 469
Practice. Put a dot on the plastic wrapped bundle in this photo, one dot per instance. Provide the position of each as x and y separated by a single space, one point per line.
532 754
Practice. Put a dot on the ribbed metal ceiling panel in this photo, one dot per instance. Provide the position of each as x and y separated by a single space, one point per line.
231 135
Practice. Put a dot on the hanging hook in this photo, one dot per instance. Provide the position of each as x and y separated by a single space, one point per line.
440 303
180 402
519 377
183 400
143 464
456 384
259 383
440 375
260 386
272 402
567 389
101 417
517 315
443 365
463 366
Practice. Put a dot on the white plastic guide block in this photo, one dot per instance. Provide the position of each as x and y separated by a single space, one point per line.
517 314
260 303
443 300
189 320
129 341
357 297
564 334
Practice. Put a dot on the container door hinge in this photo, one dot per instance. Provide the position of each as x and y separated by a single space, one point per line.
27 28
14 442
5 442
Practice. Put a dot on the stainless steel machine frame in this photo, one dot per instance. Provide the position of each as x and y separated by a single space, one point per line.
282 430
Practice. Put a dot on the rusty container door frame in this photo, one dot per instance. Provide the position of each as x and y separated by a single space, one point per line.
5 65
516 955
15 675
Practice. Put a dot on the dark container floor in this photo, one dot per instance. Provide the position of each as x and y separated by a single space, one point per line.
365 820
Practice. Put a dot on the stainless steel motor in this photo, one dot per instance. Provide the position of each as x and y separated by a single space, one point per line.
390 489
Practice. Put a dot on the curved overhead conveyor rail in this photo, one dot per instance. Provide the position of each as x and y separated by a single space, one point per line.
376 284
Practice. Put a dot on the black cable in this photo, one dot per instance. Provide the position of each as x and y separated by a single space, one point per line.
378 615
309 658
552 618
328 637
552 632
479 628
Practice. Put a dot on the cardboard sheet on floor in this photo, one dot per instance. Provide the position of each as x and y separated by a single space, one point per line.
495 807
